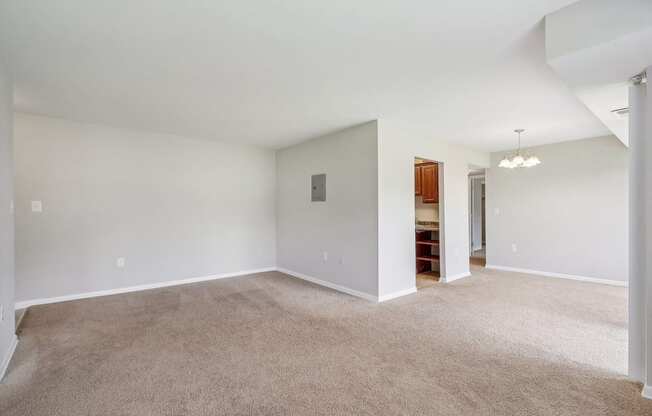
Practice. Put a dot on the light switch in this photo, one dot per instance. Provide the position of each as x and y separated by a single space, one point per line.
37 206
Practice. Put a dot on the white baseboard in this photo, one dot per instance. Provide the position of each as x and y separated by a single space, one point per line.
452 278
6 359
329 285
559 275
397 294
647 391
20 318
27 303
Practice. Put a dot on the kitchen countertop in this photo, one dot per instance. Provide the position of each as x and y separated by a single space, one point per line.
427 225
419 227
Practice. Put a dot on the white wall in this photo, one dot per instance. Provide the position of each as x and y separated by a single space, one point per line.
640 191
346 224
174 207
7 329
398 145
646 198
638 214
568 215
640 289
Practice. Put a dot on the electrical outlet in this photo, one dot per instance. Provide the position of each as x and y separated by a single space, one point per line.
37 206
2 313
120 262
514 247
325 256
496 211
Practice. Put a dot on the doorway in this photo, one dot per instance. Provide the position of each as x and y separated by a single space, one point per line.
427 193
477 218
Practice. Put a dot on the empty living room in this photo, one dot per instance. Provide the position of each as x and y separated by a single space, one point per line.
269 207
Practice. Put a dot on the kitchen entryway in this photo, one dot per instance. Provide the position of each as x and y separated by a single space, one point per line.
427 221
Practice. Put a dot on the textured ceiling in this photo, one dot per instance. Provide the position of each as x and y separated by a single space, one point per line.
275 73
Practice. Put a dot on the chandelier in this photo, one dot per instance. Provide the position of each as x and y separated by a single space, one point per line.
519 160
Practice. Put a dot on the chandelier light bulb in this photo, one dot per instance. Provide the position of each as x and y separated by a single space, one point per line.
531 161
518 161
505 163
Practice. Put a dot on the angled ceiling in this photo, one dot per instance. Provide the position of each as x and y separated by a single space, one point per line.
278 72
596 46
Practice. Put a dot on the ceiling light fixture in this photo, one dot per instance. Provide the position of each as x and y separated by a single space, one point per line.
519 160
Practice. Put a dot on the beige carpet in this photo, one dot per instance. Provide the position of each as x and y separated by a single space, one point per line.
493 344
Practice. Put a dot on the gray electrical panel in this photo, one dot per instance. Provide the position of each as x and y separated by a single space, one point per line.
318 187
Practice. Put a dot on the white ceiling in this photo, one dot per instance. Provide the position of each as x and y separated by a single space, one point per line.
596 46
276 72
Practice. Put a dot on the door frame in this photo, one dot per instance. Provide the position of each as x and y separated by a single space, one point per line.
475 192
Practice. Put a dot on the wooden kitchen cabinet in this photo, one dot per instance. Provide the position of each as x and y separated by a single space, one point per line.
417 180
429 183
